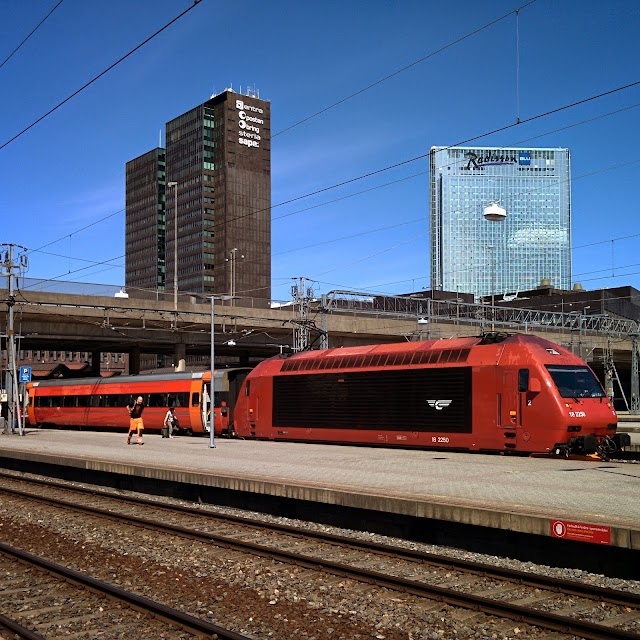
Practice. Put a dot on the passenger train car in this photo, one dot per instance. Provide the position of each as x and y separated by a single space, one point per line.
505 393
101 402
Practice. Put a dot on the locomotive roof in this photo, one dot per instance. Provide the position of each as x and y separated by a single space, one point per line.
490 348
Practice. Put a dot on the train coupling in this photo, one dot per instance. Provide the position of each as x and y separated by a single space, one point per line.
590 444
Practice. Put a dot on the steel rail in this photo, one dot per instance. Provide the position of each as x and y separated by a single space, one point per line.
18 630
588 630
133 600
612 596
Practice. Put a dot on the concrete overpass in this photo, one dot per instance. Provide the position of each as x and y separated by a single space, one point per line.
100 324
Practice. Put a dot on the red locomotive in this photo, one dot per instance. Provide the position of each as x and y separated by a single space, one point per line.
506 393
101 402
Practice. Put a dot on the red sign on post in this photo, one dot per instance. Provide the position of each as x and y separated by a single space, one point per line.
580 531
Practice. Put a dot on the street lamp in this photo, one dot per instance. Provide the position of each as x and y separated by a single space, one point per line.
232 264
175 246
212 392
212 437
493 286
494 213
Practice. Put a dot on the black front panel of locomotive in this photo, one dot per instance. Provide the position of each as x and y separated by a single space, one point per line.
428 400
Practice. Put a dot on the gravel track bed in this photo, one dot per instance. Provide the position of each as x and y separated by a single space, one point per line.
259 597
57 609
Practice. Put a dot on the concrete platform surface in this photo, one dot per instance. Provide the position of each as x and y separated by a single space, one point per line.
519 494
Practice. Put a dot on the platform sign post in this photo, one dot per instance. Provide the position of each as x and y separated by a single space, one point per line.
23 378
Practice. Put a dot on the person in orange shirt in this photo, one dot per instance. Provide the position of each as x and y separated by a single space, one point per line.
135 422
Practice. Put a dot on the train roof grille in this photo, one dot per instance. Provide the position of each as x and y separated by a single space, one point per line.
407 358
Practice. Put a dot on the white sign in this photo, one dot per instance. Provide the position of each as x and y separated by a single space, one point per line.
249 134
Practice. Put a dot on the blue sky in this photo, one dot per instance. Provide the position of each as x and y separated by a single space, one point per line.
67 172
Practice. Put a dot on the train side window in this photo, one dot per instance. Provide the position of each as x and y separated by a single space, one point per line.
195 399
157 399
182 399
95 401
523 379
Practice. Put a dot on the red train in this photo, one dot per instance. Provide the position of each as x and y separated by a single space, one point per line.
517 393
506 393
101 402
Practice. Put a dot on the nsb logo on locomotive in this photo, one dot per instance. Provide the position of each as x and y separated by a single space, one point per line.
439 405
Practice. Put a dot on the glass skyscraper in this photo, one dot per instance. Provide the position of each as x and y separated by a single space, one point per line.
470 254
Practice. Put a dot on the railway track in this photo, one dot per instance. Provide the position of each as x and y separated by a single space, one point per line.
558 605
45 600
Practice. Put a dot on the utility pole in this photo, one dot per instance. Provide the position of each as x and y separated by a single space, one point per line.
635 381
302 296
11 268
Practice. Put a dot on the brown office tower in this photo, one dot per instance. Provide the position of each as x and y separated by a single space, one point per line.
219 162
144 220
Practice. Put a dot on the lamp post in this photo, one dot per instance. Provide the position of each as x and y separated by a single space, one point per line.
493 287
232 263
175 246
212 392
494 213
212 437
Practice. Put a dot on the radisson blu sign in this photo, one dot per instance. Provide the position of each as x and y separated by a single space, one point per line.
477 161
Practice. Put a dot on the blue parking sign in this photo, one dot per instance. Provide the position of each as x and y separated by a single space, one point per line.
25 374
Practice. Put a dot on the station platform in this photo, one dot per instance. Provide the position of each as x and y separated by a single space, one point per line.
583 500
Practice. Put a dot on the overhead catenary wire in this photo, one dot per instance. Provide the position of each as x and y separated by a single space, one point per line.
30 34
95 263
97 77
404 68
516 12
329 107
387 184
425 155
422 156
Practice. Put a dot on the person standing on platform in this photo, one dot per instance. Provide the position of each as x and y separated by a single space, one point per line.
170 421
135 422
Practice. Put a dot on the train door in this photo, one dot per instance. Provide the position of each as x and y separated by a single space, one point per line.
205 407
510 408
236 378
221 409
514 405
252 405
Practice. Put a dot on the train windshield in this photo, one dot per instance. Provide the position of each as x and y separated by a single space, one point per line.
575 382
